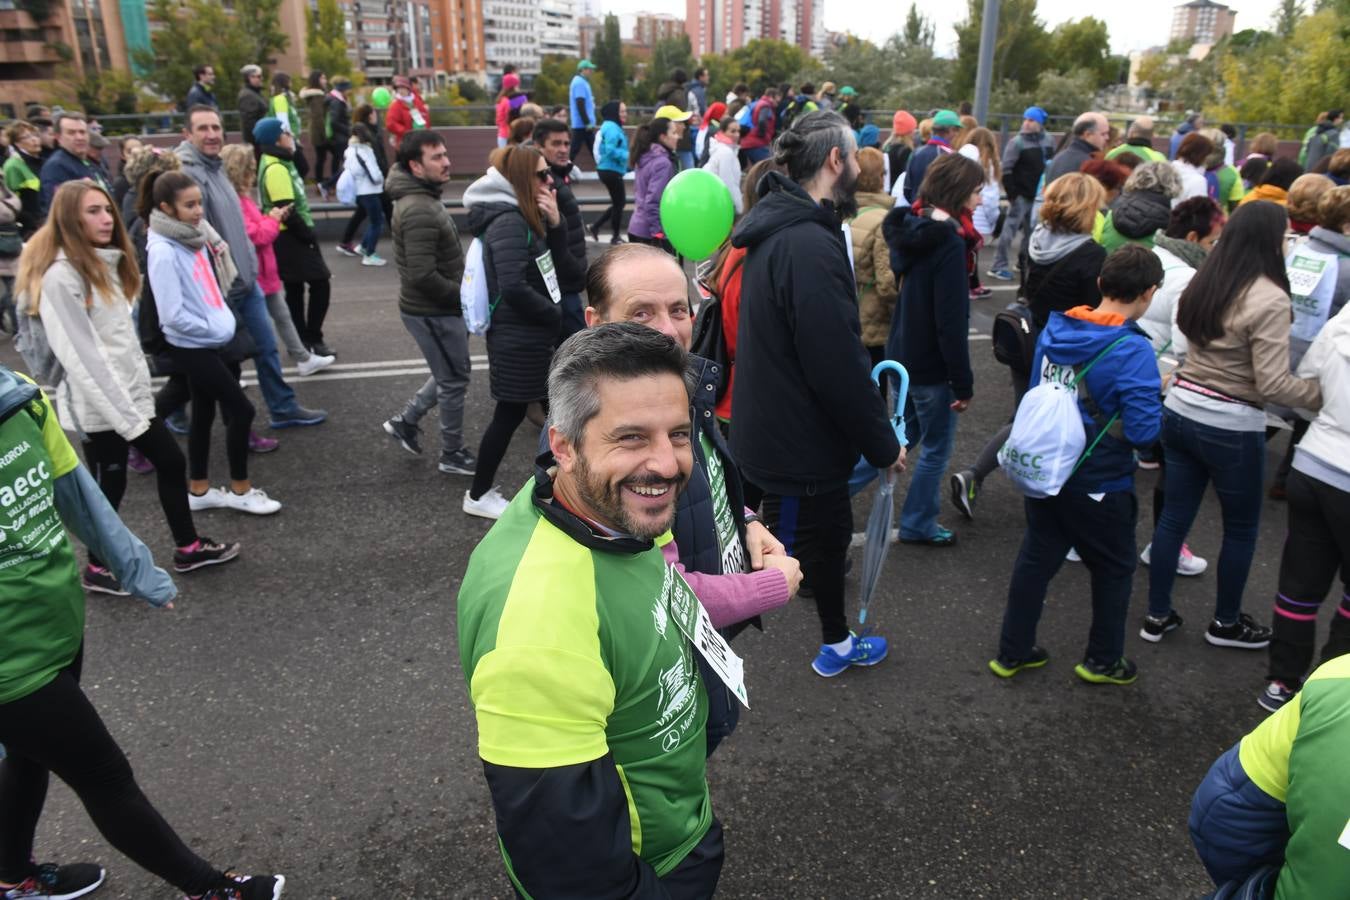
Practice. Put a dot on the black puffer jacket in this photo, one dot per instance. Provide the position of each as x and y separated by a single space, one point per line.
1138 214
426 247
525 318
571 277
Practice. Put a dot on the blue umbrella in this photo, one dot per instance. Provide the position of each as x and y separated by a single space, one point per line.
878 531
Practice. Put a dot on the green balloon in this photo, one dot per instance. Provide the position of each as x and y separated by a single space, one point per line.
696 213
381 98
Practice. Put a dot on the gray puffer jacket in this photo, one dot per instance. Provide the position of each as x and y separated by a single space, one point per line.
426 247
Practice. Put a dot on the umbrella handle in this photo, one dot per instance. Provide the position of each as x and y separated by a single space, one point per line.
898 397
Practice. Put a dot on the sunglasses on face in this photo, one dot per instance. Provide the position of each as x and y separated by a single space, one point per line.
543 176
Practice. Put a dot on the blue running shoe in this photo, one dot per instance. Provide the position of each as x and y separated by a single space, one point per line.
1000 274
177 421
867 651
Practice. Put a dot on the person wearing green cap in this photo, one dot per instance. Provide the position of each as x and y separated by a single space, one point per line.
945 126
581 109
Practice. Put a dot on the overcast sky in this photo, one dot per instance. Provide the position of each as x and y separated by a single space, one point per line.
1133 25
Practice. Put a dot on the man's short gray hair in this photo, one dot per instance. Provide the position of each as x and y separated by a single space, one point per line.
805 147
618 350
1158 177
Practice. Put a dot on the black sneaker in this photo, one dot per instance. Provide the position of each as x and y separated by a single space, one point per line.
101 581
1007 668
407 435
964 491
207 553
246 887
1244 634
1154 629
53 882
1276 695
1122 671
461 462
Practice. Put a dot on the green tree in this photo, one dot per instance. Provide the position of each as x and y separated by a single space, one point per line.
919 29
472 91
326 43
1021 50
1083 45
1309 68
1067 93
608 55
668 54
203 32
762 63
1287 16
554 82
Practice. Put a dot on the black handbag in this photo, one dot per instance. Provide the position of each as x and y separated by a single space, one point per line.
11 243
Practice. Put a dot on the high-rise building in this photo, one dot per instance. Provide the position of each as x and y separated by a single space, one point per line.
79 38
716 26
648 28
558 28
390 37
589 30
511 35
1202 22
458 29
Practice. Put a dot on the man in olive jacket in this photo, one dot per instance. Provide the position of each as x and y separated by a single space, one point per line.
430 265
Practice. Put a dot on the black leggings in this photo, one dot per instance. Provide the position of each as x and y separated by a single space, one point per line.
506 418
105 454
613 182
56 730
213 381
310 326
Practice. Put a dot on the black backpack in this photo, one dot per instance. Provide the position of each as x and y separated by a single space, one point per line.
710 340
1014 337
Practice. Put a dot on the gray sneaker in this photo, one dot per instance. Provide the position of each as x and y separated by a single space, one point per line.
461 462
298 416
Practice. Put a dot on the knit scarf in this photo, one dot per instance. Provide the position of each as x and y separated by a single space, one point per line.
1189 252
194 238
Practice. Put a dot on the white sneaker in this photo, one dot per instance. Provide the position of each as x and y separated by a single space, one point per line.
313 363
374 259
1072 555
1188 563
214 498
255 502
489 506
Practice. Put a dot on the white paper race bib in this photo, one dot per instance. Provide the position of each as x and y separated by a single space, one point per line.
545 263
692 619
1311 290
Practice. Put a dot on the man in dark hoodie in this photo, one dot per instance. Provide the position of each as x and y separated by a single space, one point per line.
805 403
1325 139
1024 162
1090 131
252 104
430 266
946 124
553 139
1095 511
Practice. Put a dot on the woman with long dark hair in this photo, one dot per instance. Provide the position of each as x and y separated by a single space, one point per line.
513 211
1235 316
611 162
654 162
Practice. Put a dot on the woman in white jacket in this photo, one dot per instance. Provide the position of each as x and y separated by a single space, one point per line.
186 262
364 169
1318 546
1194 227
78 275
980 145
1190 166
723 161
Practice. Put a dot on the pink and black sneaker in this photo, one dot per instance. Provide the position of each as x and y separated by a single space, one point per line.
245 887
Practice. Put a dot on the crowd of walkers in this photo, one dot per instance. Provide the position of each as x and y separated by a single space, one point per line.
1158 287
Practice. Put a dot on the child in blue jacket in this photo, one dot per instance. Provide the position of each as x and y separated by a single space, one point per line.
1096 510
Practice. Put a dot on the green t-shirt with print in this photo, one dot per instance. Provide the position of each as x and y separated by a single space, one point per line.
41 600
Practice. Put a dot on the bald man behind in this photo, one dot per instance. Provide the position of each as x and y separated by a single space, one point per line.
1090 131
735 566
1139 141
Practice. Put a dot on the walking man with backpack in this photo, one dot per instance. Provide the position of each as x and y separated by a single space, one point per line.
1104 357
430 266
1024 162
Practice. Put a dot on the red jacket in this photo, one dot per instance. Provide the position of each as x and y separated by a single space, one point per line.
750 137
729 294
399 121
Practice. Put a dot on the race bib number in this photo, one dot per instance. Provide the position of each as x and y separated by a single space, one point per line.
545 263
692 620
1311 292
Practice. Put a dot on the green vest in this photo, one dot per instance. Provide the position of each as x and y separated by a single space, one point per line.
571 653
1298 755
18 175
41 600
1147 154
278 181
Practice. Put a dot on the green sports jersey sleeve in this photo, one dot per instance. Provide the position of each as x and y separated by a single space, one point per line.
542 694
54 439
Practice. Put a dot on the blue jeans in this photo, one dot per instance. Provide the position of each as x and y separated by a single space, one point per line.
252 306
757 154
1235 461
1103 533
374 210
932 422
686 159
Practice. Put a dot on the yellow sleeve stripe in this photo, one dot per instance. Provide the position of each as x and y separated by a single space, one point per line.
1264 753
634 823
543 694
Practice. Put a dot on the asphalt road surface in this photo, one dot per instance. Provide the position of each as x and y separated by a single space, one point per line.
303 710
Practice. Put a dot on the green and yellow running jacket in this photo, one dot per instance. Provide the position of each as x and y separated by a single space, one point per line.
589 703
